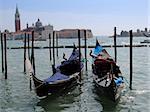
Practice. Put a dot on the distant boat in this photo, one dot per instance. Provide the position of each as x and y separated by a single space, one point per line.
146 34
146 41
40 39
106 74
65 76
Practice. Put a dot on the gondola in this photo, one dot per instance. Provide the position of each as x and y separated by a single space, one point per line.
65 76
107 76
145 41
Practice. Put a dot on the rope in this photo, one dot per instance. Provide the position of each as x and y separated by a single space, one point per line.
37 81
84 60
39 86
103 78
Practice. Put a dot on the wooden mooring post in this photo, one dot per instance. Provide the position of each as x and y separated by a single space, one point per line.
2 52
79 46
5 54
50 53
85 43
32 56
115 44
32 59
131 66
54 48
24 53
29 46
57 45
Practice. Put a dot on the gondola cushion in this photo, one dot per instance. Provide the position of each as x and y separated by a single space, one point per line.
57 76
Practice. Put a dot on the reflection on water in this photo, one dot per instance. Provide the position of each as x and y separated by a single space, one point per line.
58 102
6 94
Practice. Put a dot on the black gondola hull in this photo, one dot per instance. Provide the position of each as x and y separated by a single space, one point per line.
113 92
106 73
44 89
65 76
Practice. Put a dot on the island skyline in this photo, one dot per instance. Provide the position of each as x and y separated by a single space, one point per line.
100 16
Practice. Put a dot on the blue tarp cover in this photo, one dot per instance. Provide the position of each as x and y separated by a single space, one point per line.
98 49
57 76
118 81
74 55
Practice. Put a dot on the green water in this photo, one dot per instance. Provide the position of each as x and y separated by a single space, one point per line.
15 95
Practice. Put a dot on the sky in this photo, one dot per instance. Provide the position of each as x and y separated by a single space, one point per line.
101 16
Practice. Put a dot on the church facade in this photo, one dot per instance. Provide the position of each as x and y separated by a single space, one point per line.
40 32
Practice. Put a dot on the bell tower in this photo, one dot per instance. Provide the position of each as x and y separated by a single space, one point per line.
17 20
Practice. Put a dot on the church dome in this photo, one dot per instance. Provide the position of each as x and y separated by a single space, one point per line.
38 23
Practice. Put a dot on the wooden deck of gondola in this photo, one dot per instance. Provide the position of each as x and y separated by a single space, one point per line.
107 92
